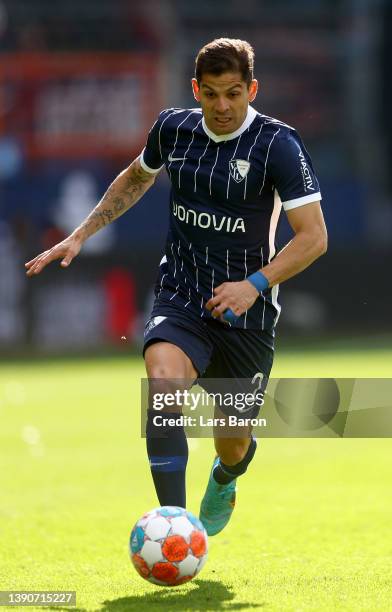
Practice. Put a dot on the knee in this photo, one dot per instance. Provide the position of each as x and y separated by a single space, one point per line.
162 371
169 373
167 362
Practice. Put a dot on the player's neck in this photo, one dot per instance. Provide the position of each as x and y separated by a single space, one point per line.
250 115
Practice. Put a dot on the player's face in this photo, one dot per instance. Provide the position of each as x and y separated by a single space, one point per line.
224 100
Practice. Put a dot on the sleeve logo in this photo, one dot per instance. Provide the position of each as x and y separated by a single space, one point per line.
307 177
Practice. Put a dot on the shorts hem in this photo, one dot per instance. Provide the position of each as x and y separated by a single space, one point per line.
198 367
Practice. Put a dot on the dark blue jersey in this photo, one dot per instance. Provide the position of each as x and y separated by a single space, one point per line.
226 198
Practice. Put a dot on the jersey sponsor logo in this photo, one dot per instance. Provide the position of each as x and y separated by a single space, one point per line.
173 159
153 323
239 168
307 177
205 220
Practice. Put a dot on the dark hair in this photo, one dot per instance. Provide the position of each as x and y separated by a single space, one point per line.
225 55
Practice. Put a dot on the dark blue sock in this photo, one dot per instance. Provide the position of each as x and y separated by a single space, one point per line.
167 450
223 474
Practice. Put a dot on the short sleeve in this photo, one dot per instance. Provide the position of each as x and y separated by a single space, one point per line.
151 156
291 170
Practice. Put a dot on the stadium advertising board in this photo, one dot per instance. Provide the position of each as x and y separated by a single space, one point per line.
78 104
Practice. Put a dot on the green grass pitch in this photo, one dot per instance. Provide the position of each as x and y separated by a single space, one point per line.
312 529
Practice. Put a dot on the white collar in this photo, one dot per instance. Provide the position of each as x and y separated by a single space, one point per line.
251 114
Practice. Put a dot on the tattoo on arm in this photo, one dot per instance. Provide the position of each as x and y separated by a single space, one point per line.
122 194
119 204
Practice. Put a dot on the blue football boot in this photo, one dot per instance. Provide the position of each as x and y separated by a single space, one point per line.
217 504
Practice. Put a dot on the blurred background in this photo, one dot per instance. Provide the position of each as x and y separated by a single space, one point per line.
81 84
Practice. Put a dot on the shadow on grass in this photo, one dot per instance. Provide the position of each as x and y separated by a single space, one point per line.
208 596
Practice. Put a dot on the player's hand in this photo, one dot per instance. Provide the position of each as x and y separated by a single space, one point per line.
65 250
238 296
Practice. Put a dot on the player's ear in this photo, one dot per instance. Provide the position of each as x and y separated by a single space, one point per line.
252 91
196 90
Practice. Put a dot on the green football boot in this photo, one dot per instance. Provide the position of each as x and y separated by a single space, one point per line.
217 504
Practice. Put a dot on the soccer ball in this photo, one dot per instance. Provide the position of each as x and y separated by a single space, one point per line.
168 546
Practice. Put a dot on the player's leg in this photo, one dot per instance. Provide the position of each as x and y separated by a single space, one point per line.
233 448
239 356
234 454
168 369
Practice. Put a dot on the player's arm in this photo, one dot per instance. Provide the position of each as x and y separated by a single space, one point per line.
129 186
309 242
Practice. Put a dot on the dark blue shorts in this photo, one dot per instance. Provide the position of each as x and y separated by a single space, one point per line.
216 350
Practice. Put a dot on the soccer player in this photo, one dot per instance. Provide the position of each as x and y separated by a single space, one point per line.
232 170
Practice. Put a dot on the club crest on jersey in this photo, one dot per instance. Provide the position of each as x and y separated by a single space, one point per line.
239 168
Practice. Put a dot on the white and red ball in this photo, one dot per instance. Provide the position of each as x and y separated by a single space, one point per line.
168 546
